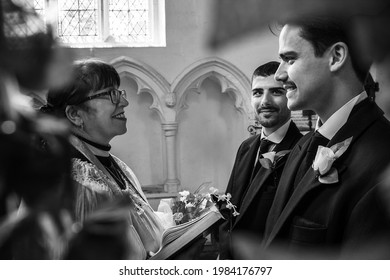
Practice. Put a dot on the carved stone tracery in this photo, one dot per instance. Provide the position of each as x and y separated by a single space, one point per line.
170 100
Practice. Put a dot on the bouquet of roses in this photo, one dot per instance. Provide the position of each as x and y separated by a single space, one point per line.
188 206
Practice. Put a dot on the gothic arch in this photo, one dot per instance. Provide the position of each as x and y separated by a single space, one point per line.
148 80
230 78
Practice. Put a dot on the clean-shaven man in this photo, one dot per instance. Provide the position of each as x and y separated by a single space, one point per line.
328 202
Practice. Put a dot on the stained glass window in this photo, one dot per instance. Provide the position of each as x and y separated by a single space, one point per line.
105 22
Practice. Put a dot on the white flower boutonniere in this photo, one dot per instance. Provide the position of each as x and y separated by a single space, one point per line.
324 159
270 159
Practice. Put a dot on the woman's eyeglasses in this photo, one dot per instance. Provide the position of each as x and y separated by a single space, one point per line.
115 95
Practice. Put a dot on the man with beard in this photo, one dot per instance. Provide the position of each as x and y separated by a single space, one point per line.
260 160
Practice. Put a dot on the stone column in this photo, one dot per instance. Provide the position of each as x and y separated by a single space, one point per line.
172 183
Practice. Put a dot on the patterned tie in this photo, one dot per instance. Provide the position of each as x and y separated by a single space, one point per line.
316 140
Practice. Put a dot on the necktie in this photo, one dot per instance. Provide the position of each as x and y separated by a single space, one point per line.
264 147
316 140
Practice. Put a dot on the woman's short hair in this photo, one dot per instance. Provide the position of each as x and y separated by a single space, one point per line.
89 75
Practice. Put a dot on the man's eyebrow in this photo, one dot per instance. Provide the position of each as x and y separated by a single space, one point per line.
285 55
277 88
258 89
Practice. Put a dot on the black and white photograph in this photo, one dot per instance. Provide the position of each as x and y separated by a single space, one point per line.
194 138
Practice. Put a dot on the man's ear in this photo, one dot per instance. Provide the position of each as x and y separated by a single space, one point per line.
338 56
73 115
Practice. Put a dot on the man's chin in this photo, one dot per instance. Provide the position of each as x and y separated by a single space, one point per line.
268 123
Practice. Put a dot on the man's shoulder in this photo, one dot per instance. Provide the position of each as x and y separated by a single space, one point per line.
250 140
378 134
304 137
293 133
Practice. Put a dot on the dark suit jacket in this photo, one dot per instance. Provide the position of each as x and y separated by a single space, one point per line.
342 216
253 199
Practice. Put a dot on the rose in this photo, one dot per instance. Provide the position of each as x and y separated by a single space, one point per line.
183 195
325 157
270 156
270 159
323 160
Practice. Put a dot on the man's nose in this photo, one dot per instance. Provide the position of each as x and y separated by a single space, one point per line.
266 100
281 73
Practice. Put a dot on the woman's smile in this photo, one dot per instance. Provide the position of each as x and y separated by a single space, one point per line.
120 116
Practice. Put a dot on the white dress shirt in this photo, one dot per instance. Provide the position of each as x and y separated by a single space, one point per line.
276 137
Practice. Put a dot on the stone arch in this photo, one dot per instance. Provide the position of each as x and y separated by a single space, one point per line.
148 81
230 78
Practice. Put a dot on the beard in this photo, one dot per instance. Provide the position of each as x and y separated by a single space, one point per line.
272 117
268 121
268 116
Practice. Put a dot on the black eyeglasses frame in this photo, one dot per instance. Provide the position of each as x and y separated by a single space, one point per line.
104 92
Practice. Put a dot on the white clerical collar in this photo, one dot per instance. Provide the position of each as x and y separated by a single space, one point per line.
339 118
278 135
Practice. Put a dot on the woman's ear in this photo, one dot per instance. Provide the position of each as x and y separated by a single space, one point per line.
338 56
74 116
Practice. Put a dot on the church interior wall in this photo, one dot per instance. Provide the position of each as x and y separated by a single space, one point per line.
206 131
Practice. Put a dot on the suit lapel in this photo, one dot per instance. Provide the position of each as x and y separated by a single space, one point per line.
261 177
254 188
290 139
287 181
362 116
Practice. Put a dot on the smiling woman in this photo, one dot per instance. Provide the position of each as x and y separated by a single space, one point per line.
94 106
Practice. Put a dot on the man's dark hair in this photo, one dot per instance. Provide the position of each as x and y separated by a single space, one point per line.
266 70
322 32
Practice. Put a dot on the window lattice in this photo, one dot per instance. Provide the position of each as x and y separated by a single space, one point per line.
39 6
78 21
129 19
18 25
103 22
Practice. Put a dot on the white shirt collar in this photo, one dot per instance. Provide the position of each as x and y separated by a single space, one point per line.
278 135
339 118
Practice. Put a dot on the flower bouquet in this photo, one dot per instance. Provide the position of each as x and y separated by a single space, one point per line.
188 206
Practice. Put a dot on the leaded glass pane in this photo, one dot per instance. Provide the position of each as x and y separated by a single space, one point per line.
87 21
129 20
78 21
37 5
20 25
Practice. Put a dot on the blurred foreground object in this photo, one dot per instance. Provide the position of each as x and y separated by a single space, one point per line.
103 235
248 247
35 187
371 19
28 50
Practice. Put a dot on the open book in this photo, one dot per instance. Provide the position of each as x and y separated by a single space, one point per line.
176 237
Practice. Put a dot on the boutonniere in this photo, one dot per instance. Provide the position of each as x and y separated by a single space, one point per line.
324 159
270 159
